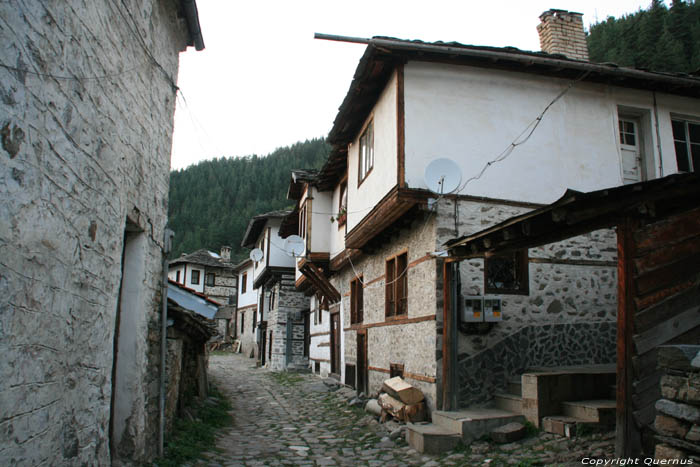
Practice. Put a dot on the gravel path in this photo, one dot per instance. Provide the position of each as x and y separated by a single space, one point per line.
297 419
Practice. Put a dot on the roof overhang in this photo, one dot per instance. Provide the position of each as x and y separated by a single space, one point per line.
189 8
192 300
320 281
256 226
578 213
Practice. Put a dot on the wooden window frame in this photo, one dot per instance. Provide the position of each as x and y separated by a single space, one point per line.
521 272
357 303
367 133
244 283
213 279
302 221
396 291
192 275
343 208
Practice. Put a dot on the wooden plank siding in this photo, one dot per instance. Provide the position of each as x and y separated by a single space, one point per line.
663 303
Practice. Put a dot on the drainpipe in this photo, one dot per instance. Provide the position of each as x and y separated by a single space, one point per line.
167 246
658 137
456 287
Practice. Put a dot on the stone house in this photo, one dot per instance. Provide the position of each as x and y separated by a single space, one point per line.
521 127
282 317
86 122
213 275
246 308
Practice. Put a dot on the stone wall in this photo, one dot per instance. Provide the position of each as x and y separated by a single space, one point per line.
568 317
289 306
86 120
678 412
411 343
225 285
247 337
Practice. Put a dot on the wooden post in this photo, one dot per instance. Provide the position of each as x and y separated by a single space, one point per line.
446 334
627 433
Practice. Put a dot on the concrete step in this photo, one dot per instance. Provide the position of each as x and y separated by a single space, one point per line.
509 402
474 423
515 387
431 439
600 411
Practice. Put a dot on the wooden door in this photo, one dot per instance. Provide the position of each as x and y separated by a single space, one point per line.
362 362
631 151
335 343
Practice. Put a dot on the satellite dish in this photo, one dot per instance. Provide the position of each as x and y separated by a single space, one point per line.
442 176
294 245
256 254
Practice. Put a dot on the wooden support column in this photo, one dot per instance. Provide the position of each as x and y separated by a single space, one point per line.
627 434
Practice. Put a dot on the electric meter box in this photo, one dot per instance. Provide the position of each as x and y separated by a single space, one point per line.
473 310
492 310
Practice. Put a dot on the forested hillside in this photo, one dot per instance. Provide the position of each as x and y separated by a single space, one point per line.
659 38
211 202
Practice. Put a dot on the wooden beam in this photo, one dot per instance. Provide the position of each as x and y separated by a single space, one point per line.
667 330
626 432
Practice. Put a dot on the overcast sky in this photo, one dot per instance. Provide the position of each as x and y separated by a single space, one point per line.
263 81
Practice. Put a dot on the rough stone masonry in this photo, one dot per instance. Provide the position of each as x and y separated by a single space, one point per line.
86 120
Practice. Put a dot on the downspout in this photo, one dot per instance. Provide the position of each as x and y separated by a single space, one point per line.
658 137
167 246
454 305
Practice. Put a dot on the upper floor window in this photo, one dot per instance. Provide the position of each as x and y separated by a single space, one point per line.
356 301
686 138
302 221
177 276
507 274
209 279
343 204
396 286
194 277
366 152
244 282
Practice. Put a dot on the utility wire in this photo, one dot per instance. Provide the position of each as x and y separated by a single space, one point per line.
528 132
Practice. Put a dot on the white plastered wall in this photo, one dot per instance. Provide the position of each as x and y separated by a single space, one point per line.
471 115
383 176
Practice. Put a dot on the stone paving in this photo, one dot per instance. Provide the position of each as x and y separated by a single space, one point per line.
297 419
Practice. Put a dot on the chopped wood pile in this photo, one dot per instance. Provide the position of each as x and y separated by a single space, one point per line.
400 400
678 412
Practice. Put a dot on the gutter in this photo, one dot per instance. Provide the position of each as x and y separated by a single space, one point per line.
192 16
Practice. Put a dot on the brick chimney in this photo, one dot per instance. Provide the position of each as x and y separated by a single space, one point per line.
561 32
226 253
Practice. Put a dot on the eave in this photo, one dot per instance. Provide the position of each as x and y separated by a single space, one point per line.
578 213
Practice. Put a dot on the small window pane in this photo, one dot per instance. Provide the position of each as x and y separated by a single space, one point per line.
682 156
678 130
694 130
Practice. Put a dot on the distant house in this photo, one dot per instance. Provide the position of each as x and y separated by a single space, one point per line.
283 313
246 311
214 276
86 124
521 127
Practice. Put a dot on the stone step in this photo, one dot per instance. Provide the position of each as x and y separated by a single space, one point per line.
431 439
509 402
474 423
562 425
515 387
600 411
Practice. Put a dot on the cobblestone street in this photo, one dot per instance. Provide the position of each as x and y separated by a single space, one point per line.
295 419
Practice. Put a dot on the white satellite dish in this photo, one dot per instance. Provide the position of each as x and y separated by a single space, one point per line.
294 245
443 176
256 254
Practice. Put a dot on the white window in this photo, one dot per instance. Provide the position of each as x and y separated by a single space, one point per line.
686 139
366 152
